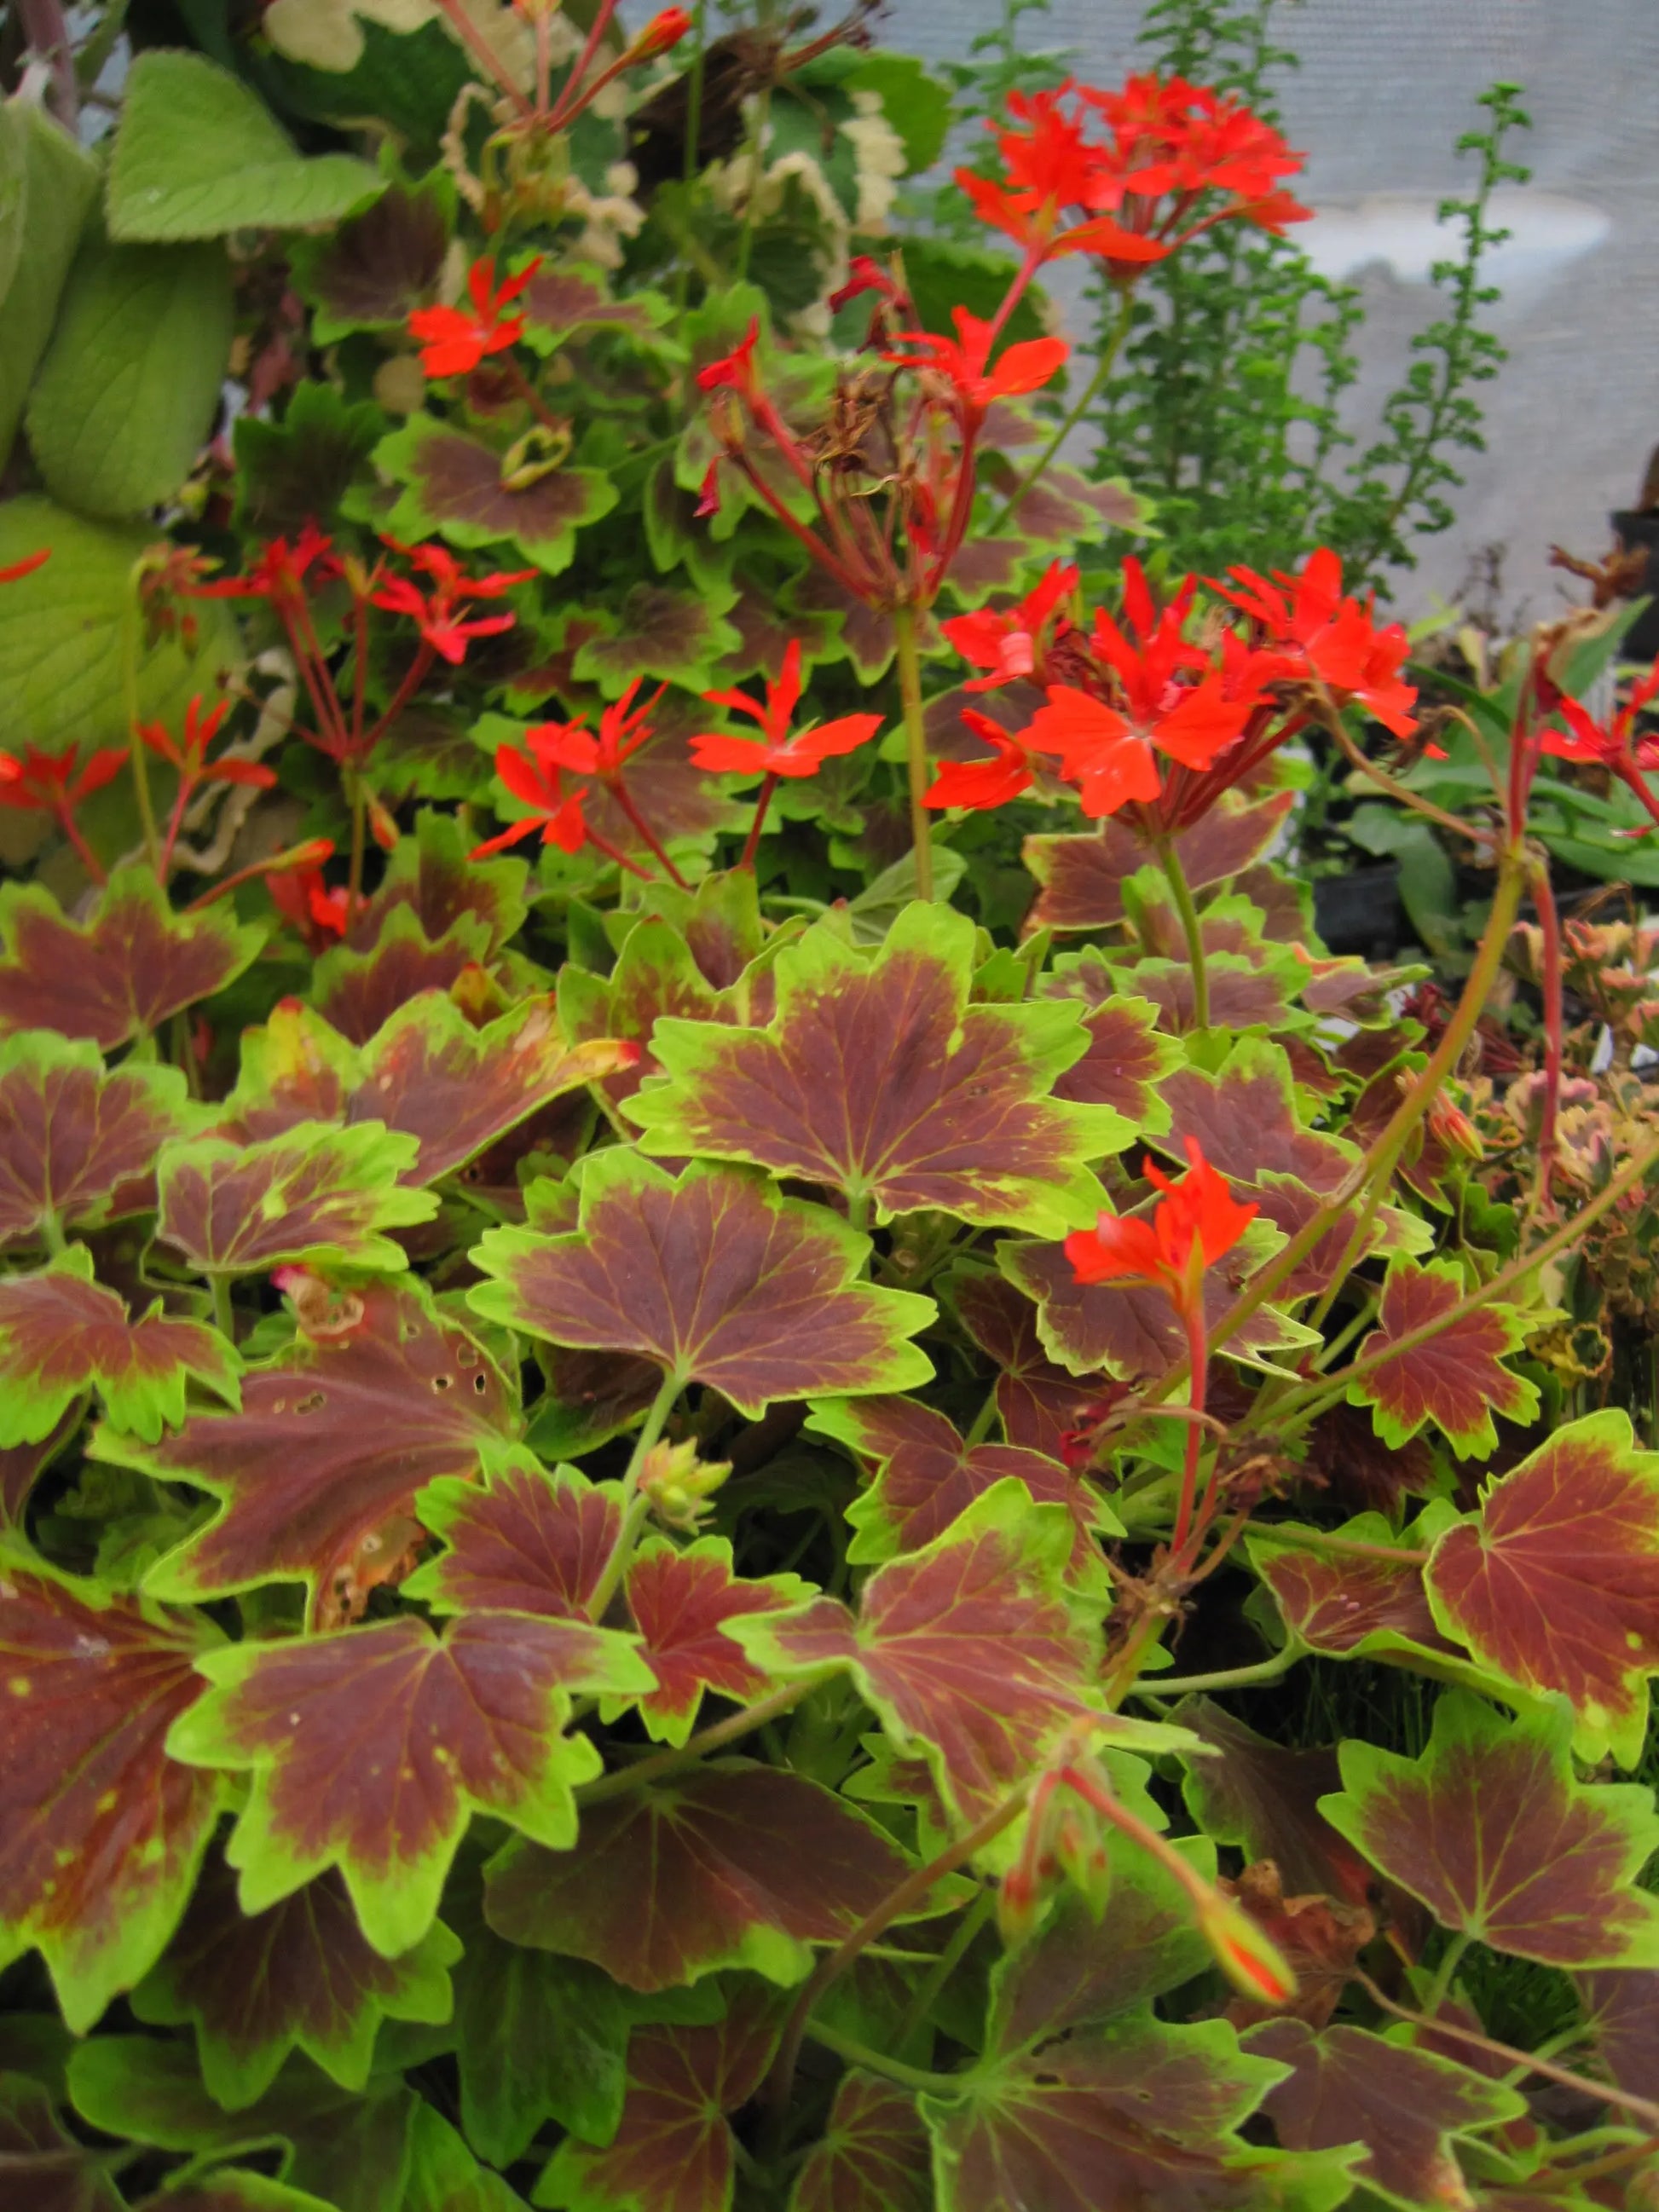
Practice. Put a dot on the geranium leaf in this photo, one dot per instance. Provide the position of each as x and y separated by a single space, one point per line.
926 1475
52 2169
1290 1205
234 2188
313 1193
454 486
524 1541
728 1865
298 1976
299 470
1408 2107
861 632
1130 1329
328 1451
23 1465
673 2150
872 2156
562 302
120 974
1457 1378
359 991
952 1109
1039 1404
1490 1830
713 1274
432 874
1554 1583
676 637
427 1072
965 1649
1083 877
445 2176
371 1749
1244 1117
1357 1470
681 1603
1267 1799
78 1144
656 975
1355 1604
367 273
1621 2013
1126 1061
62 1334
100 1832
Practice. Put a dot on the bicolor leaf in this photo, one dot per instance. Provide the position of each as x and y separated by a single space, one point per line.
1455 1377
314 1193
78 1143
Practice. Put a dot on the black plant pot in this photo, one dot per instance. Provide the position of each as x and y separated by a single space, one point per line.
1361 912
1634 531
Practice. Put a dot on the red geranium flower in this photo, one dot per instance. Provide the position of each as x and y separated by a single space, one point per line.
1196 1221
1307 622
983 784
26 567
444 615
776 751
665 30
965 360
455 342
281 570
189 756
736 370
1616 744
305 901
1007 639
534 778
623 728
53 783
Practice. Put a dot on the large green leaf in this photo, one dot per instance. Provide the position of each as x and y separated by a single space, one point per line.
61 630
59 185
198 155
126 394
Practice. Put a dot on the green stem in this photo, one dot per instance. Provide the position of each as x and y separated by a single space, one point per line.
1446 1973
131 620
961 1937
858 1210
51 1232
1225 1678
634 1506
359 815
1181 892
693 137
1097 383
713 1738
878 2061
916 744
982 1419
223 1319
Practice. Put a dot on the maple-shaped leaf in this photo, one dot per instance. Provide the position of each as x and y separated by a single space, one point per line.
358 992
78 1144
370 1750
120 974
47 2169
1126 1061
1554 1583
672 636
713 1274
673 2150
523 1540
1131 1329
872 2156
326 1455
1493 1832
574 298
299 471
23 1465
314 1193
1351 1466
877 1077
234 2188
100 1832
1361 1603
427 1072
296 1977
682 1604
1266 1798
432 873
1039 1404
1408 2107
1621 2016
728 1865
656 975
462 490
1244 1117
367 273
927 1474
1355 1233
60 1334
1457 1378
1082 878
965 1648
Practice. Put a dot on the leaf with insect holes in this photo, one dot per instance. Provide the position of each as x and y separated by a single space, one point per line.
120 974
298 1976
523 1540
1082 878
927 1474
728 1865
317 1474
48 2169
457 488
78 1143
673 2150
1131 1329
1493 1832
313 1193
427 1072
682 1603
367 273
358 992
873 2153
877 1077
1039 1404
100 1832
1408 2107
62 1334
1455 1377
715 1276
966 1648
1554 1584
371 1749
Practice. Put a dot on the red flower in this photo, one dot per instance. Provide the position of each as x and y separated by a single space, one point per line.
303 899
49 783
1172 140
455 342
965 360
623 728
535 779
864 275
735 371
665 29
1196 1221
26 567
983 784
1050 171
1307 620
775 750
189 757
280 572
442 615
1617 744
1006 640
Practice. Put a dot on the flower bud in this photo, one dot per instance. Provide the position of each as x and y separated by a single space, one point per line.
678 1485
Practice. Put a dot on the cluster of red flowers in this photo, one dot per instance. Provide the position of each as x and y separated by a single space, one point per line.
1153 714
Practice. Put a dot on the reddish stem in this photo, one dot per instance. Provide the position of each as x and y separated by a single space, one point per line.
619 791
573 84
612 853
484 53
175 822
763 801
1549 930
70 828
